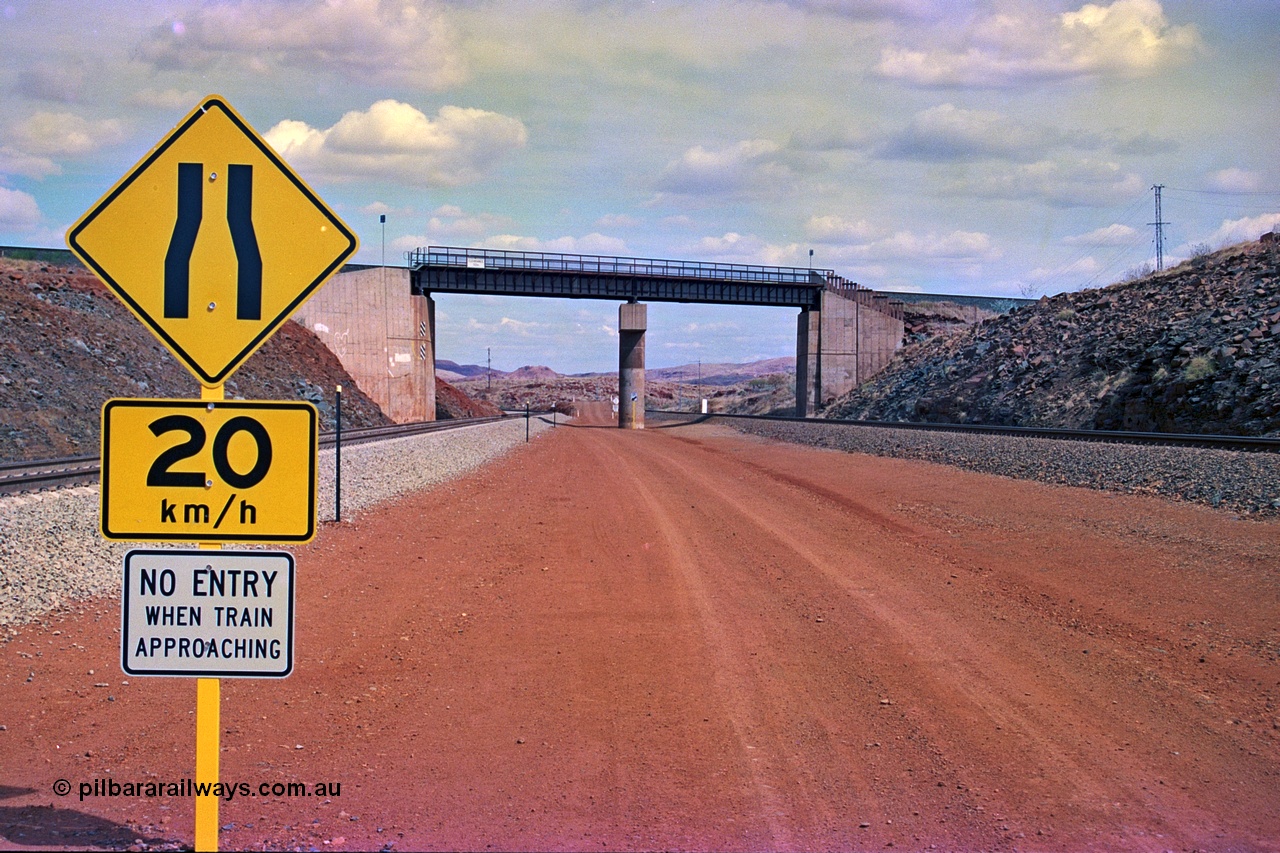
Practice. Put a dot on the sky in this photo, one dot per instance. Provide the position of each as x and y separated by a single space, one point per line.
1005 147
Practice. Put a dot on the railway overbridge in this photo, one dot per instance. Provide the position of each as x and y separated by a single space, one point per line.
845 332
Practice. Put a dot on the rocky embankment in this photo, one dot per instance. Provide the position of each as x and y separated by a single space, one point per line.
67 346
1194 349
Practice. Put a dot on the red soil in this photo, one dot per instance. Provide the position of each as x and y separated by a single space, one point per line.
684 638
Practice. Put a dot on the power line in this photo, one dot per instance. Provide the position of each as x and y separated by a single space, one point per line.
1224 192
1247 203
1125 217
1109 264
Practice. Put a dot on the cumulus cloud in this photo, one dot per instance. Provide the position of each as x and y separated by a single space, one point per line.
378 41
64 134
62 82
735 248
451 222
849 240
18 210
507 326
1128 37
1063 183
1111 235
448 225
837 229
836 135
617 220
946 132
1240 230
746 166
589 244
1235 180
870 9
957 245
165 99
394 141
1085 266
731 243
381 208
14 162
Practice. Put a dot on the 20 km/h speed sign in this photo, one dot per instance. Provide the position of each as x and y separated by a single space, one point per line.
209 471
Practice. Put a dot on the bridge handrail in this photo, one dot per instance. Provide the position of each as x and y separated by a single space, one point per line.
451 256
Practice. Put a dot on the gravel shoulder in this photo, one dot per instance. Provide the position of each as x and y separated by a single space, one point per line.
1245 483
53 555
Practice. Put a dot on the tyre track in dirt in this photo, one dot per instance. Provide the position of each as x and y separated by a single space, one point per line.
949 666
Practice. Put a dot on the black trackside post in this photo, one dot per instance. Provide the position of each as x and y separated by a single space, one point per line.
526 423
337 454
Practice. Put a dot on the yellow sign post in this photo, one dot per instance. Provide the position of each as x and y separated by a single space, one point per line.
212 241
206 471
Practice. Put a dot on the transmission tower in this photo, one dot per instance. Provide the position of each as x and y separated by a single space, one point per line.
1159 224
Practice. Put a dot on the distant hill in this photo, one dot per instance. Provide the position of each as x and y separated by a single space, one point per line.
710 373
463 371
714 373
533 372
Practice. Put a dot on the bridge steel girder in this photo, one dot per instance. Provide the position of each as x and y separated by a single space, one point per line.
618 288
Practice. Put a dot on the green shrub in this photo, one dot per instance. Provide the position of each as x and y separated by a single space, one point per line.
1200 367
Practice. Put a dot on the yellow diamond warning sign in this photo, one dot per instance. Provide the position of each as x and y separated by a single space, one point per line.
212 241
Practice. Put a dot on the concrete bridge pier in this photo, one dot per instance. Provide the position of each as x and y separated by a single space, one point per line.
633 320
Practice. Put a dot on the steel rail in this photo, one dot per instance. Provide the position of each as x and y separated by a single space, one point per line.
39 475
7 467
363 436
1255 444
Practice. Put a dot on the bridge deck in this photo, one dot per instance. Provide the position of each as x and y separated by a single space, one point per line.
489 271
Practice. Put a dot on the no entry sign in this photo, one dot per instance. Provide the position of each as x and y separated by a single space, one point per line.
205 613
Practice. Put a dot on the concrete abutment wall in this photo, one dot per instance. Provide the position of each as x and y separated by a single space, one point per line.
847 341
383 335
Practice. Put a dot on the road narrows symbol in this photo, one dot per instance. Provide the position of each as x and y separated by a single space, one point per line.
177 261
248 258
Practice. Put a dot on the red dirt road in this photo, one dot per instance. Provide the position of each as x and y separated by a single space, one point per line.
686 638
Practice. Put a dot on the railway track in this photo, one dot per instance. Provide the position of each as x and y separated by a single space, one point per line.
47 474
18 477
363 436
1253 444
